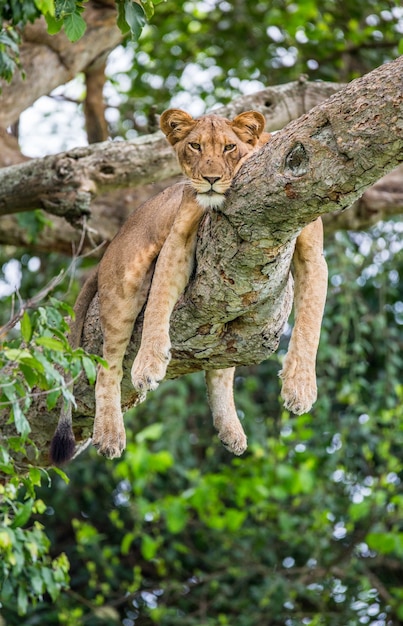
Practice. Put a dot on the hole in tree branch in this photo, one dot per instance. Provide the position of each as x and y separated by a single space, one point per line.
297 160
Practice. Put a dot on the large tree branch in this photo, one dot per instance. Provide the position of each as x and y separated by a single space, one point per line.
382 201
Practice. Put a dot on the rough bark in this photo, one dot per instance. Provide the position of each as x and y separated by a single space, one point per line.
381 201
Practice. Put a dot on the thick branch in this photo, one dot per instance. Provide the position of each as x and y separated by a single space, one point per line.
108 213
380 202
322 162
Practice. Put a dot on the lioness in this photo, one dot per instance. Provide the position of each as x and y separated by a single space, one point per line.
210 151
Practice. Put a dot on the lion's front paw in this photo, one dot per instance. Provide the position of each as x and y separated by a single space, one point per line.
149 369
109 437
299 390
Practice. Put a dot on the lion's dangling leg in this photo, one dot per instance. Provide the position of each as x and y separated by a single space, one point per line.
221 399
299 389
119 308
172 272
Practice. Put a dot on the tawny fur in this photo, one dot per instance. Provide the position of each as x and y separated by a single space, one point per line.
210 151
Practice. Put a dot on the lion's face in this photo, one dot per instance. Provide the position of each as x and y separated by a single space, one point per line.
211 149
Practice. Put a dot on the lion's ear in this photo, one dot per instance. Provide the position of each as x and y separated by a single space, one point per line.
249 126
176 124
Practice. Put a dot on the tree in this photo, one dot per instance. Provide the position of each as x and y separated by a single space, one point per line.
280 488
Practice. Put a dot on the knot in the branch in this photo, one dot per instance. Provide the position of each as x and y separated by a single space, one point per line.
297 160
65 169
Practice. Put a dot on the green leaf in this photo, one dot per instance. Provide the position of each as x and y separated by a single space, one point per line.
22 601
90 369
51 586
149 547
54 25
150 433
14 354
385 543
45 6
37 583
64 7
74 26
52 398
62 474
21 423
39 507
25 357
23 514
135 17
176 516
26 327
16 444
35 476
29 374
50 342
127 542
148 6
121 19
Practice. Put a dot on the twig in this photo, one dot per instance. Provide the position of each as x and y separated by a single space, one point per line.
33 302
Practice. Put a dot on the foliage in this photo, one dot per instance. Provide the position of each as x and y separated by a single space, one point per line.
31 363
60 14
27 572
204 53
305 528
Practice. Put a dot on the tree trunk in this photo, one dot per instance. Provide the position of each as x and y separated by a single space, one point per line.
235 307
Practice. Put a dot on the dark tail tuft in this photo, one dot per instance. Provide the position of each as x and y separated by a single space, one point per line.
63 444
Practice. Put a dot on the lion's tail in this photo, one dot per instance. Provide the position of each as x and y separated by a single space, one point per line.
63 444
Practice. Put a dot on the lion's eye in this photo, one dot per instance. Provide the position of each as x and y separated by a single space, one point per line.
195 146
229 147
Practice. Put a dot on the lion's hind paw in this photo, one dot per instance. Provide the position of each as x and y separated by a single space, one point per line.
298 392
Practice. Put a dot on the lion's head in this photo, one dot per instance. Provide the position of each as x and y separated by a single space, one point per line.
211 149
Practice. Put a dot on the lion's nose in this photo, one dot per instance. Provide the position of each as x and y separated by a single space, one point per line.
211 179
